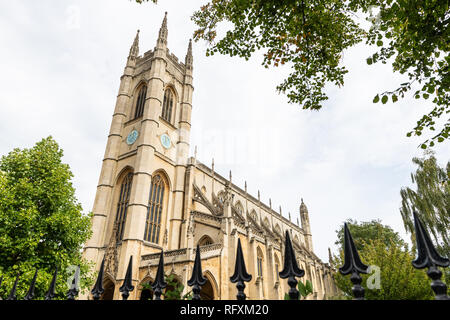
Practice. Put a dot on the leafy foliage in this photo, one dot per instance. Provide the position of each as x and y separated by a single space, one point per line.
362 232
398 279
174 289
431 198
41 223
311 36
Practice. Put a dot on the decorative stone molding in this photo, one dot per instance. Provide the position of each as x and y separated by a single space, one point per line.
206 218
201 198
111 255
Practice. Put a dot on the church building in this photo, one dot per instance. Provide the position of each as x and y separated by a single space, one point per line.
153 196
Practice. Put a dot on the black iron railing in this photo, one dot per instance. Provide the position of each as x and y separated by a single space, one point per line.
427 257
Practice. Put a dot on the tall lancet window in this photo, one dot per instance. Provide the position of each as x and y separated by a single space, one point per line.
122 205
155 209
140 102
168 105
259 260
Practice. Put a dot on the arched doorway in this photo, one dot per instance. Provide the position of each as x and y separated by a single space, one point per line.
109 288
207 292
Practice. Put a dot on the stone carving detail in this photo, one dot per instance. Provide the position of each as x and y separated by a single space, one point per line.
252 222
201 198
217 202
268 232
206 218
236 211
165 237
191 226
111 258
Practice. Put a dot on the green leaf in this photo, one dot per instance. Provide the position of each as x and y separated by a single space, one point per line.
309 287
384 99
376 99
302 289
394 98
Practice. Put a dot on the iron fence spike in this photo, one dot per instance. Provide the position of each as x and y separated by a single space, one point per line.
159 282
428 257
127 285
30 293
240 275
51 290
74 288
98 290
291 269
197 280
353 265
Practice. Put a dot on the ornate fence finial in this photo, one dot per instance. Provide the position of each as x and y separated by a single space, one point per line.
353 265
30 293
74 288
127 285
197 280
51 290
240 273
12 294
159 282
291 269
427 256
98 290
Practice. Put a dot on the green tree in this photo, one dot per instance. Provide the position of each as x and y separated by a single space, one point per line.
311 36
362 232
41 222
431 198
398 280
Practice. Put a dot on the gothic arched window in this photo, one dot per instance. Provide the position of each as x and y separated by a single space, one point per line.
239 208
140 102
221 197
277 267
155 209
259 259
167 105
205 241
122 205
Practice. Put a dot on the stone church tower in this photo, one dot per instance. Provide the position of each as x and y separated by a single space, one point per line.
152 196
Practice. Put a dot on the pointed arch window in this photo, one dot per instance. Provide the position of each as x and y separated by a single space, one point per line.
168 105
140 102
260 262
205 241
277 267
122 205
155 209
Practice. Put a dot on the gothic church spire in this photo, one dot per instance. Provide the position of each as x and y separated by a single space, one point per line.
163 32
189 58
134 50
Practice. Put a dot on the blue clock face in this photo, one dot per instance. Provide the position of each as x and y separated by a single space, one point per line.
132 137
165 141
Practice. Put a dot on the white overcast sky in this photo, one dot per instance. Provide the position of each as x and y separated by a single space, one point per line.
61 63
